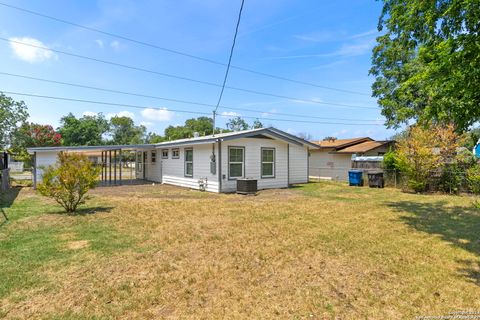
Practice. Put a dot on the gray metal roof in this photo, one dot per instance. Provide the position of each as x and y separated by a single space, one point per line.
272 132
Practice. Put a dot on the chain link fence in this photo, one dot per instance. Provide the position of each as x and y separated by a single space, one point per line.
446 180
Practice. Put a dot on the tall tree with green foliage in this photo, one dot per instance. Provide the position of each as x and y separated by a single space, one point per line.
257 124
84 131
124 131
202 125
237 124
33 135
427 62
12 115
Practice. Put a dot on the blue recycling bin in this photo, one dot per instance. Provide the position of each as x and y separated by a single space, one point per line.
355 178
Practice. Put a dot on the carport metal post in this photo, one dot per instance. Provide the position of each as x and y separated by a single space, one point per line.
110 167
115 167
120 168
102 164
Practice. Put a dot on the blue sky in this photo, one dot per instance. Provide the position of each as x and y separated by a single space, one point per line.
323 42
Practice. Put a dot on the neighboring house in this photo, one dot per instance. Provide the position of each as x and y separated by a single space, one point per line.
214 163
476 149
333 158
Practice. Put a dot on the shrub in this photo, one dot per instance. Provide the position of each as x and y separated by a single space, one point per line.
473 178
69 180
424 152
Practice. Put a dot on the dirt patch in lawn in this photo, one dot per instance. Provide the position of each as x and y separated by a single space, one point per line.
76 245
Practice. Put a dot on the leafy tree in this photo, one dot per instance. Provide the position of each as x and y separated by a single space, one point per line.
472 137
12 113
424 153
202 125
427 62
69 181
237 124
33 135
152 137
257 124
85 131
473 178
36 135
329 138
124 131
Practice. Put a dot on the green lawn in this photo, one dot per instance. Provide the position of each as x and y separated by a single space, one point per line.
322 250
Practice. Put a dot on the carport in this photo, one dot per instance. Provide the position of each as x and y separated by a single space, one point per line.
120 164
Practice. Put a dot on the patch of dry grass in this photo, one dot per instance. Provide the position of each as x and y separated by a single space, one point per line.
317 251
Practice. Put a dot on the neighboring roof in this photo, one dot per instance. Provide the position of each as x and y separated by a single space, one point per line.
364 147
269 132
341 143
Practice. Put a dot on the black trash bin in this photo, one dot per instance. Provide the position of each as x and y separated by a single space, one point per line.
375 179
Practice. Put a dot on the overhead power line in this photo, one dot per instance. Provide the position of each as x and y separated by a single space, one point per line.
177 52
174 110
134 94
228 65
186 78
230 57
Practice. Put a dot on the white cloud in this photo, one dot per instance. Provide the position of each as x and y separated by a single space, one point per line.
27 52
127 114
115 45
157 114
100 43
146 124
228 114
89 114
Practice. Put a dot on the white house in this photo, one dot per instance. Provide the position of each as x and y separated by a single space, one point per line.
274 158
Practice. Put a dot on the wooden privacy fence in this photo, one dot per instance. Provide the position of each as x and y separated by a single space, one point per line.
4 179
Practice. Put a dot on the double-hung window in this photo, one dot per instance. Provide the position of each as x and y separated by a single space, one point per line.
153 156
268 162
236 162
175 153
188 162
164 153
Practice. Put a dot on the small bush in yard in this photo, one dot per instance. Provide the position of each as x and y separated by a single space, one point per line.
473 177
69 180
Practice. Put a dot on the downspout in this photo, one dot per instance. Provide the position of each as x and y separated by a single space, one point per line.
308 165
219 143
288 165
34 170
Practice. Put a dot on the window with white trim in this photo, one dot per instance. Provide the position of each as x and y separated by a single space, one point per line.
153 156
236 162
164 153
268 162
188 162
176 153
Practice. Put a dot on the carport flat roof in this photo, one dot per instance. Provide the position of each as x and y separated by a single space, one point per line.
129 147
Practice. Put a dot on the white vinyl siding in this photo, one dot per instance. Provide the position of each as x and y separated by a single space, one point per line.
252 167
324 164
298 160
173 169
